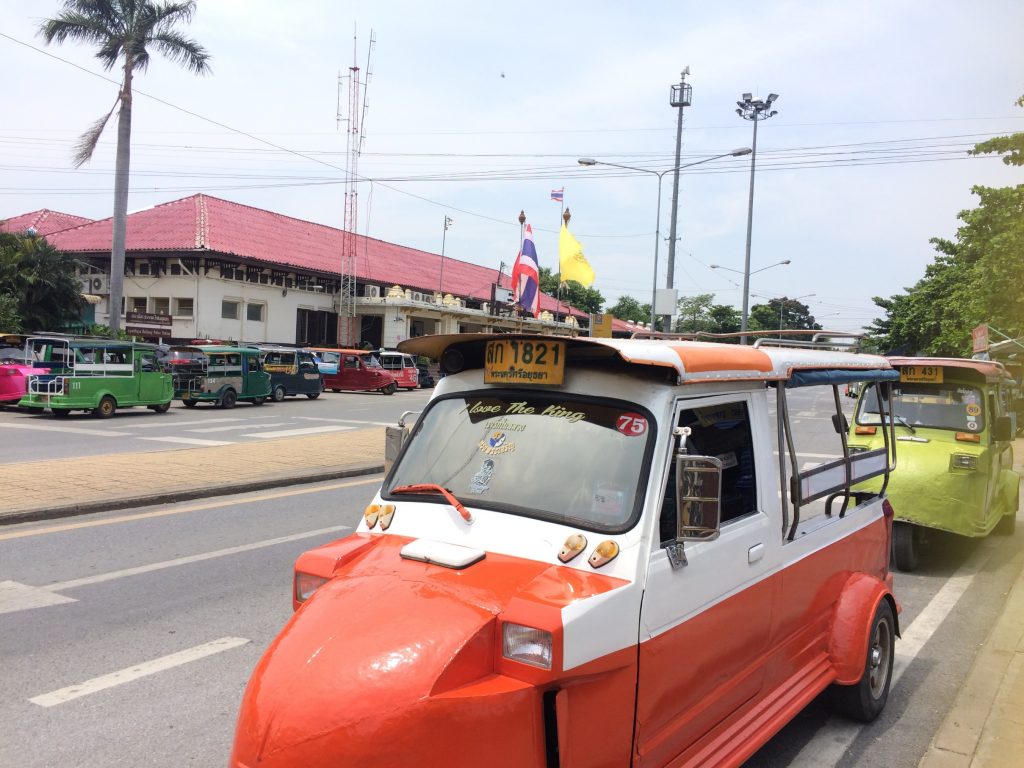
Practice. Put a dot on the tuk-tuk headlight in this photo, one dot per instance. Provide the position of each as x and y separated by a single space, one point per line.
858 448
963 461
306 584
527 645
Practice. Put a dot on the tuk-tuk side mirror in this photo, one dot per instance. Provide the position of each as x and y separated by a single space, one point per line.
698 498
1002 429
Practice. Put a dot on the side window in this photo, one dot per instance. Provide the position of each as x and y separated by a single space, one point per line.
722 431
351 361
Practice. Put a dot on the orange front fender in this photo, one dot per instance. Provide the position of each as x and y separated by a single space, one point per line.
851 625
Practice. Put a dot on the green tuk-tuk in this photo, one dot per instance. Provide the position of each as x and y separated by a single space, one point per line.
952 419
214 373
92 374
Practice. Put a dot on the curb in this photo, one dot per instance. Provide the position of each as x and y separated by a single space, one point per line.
184 494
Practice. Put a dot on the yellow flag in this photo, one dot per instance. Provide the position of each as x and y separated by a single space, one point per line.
572 263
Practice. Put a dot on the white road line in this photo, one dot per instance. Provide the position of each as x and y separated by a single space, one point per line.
238 426
67 430
137 671
297 432
832 740
186 440
19 597
348 421
60 586
173 423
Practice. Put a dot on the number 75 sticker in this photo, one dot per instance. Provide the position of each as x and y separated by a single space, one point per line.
631 424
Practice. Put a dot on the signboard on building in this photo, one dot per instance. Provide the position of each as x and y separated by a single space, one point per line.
148 318
601 326
500 295
146 333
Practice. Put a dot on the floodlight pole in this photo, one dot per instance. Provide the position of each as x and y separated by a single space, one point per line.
754 110
680 96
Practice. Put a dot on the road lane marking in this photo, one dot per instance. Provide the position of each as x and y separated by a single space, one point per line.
68 430
137 671
297 432
98 578
176 510
239 426
831 742
19 597
186 440
174 423
348 421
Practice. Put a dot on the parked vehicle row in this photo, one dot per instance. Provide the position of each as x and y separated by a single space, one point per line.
64 373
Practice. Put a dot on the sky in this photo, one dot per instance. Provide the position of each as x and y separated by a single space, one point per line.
477 111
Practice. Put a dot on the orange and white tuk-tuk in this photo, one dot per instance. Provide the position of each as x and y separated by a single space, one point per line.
591 552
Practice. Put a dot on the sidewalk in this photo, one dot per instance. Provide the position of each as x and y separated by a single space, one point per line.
41 490
985 727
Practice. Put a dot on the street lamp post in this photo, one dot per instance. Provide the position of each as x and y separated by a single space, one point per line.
754 110
657 220
782 304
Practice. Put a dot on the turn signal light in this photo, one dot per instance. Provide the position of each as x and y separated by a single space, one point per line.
306 584
968 437
865 430
527 645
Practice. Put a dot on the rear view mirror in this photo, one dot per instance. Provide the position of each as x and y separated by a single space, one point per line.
1002 429
698 498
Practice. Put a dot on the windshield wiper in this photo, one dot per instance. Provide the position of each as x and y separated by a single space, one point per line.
902 421
435 488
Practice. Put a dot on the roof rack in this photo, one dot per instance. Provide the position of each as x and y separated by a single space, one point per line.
820 340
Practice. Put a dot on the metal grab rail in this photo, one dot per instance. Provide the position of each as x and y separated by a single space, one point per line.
38 385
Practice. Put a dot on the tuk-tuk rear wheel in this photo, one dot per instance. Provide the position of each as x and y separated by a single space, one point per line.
904 546
1008 524
259 400
61 413
312 395
228 399
278 393
106 408
189 403
161 407
389 389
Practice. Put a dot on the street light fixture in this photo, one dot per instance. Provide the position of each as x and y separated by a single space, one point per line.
657 222
754 110
739 272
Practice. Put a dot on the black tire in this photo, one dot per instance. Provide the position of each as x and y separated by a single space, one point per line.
161 408
389 389
865 699
312 395
106 408
61 413
189 403
259 400
228 398
904 546
335 390
277 395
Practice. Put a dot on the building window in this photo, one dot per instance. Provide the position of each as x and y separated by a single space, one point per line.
143 268
254 312
175 269
229 310
161 305
137 304
183 307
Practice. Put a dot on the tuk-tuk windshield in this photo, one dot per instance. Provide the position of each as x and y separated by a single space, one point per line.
540 455
940 406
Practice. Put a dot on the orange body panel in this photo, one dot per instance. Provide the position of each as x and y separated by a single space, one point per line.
705 359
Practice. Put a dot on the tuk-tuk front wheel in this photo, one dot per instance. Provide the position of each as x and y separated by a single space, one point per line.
161 407
259 400
189 403
905 546
389 389
228 399
278 393
866 699
61 413
106 408
312 395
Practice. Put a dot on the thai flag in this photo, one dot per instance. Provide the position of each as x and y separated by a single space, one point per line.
526 275
556 194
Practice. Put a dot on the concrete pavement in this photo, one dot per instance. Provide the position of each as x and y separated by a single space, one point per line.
984 728
42 490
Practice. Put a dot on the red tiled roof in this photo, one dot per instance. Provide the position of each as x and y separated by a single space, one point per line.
44 222
204 223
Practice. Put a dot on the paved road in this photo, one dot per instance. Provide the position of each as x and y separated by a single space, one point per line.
30 437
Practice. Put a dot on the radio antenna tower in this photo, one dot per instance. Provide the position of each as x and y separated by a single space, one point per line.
354 118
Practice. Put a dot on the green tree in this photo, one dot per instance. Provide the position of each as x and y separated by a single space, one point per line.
629 309
725 319
39 281
587 299
694 313
10 320
123 30
975 278
783 313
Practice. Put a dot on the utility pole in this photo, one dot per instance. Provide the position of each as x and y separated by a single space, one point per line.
444 236
680 96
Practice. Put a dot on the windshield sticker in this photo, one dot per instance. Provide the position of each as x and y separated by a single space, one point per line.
572 547
972 425
718 414
496 443
485 408
481 481
507 425
973 409
609 503
631 424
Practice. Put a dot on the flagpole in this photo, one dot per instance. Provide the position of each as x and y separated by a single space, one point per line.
522 236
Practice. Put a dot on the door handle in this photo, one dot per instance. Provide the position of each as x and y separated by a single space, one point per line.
755 553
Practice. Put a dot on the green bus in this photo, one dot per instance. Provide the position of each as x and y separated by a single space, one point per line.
94 374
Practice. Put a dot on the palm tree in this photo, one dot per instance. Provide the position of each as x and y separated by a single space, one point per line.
122 30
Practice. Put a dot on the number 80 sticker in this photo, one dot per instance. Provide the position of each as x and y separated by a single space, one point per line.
631 424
